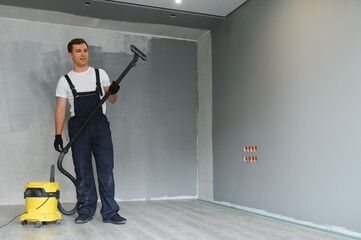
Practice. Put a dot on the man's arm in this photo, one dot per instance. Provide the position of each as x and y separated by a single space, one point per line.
60 114
112 97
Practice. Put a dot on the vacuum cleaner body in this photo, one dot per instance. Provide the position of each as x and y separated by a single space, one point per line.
41 203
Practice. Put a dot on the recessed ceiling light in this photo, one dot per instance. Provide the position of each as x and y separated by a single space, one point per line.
178 1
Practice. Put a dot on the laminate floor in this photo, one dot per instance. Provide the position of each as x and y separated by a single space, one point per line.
163 220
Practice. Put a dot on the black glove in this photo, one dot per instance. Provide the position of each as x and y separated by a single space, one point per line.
114 88
58 143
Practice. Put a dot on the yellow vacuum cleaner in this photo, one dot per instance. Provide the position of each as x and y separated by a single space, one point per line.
41 202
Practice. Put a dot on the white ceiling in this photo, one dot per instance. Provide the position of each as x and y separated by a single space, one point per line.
211 7
197 14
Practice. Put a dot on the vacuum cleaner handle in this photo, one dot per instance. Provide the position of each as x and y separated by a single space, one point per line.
137 54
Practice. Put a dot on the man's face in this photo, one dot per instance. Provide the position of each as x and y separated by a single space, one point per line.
79 55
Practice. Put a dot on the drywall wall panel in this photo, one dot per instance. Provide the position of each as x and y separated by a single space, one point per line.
153 123
205 153
286 78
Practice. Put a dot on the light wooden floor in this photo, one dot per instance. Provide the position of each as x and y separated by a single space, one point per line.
168 219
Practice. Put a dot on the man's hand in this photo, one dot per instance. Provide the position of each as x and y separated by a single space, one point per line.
114 88
58 143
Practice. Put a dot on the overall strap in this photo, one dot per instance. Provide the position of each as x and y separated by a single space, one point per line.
71 85
98 89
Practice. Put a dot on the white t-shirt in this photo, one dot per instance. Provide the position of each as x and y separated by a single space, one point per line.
83 82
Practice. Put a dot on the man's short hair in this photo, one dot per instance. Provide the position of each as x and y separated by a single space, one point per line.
76 41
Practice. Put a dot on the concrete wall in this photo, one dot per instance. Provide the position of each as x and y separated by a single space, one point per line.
154 122
286 78
205 152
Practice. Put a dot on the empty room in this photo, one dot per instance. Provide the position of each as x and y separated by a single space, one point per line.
180 119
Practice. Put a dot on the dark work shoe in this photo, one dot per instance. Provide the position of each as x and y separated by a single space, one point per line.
116 219
82 218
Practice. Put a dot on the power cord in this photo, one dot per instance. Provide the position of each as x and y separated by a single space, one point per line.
2 226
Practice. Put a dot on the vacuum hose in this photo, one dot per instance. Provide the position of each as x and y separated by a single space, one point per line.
137 54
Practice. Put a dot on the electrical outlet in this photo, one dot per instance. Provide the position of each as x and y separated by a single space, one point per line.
249 159
250 148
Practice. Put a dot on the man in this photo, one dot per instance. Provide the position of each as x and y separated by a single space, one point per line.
82 88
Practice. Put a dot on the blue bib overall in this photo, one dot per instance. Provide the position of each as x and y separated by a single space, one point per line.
95 139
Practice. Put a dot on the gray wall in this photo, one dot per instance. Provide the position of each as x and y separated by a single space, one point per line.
153 123
205 152
286 77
